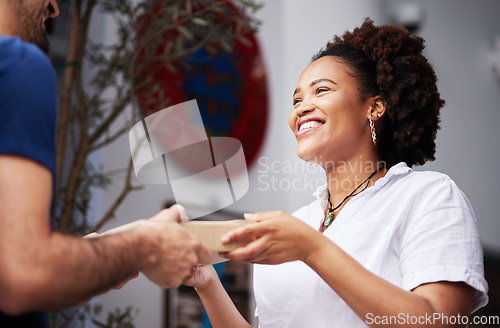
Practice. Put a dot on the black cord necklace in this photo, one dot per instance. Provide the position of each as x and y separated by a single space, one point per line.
331 215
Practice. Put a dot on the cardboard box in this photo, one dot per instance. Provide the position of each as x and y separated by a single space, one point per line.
211 232
208 232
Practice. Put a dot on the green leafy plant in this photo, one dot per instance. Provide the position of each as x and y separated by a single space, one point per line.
90 313
150 35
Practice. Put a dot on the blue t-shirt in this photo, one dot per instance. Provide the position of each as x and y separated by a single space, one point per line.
28 116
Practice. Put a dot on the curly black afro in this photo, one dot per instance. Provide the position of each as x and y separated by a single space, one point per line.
387 61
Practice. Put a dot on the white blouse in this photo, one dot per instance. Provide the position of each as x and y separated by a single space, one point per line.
410 228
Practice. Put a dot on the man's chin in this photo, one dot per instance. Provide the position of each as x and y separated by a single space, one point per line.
41 41
44 44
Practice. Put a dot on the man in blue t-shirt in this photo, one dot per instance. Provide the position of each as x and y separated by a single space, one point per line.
43 270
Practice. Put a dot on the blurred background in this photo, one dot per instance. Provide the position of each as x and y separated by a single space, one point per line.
463 45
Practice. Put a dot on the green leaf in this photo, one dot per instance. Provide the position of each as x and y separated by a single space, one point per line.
97 309
226 46
254 6
122 317
185 32
200 21
99 324
245 41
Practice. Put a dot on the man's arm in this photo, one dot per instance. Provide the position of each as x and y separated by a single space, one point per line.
44 270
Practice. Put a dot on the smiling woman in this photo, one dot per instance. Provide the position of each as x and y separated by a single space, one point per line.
380 240
328 115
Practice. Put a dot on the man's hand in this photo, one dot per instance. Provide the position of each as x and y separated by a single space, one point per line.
173 250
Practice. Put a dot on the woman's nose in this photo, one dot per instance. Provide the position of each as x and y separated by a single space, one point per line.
304 108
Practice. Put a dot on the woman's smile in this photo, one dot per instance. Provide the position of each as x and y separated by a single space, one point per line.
308 124
329 119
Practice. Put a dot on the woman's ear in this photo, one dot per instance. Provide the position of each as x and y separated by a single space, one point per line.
377 108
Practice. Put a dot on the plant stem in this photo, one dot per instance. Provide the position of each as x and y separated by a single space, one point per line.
127 188
65 101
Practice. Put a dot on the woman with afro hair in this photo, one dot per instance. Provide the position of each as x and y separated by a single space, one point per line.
382 245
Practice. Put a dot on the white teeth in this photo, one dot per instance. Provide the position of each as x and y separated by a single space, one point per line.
309 125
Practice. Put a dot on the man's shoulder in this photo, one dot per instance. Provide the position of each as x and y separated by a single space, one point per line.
25 70
14 47
22 57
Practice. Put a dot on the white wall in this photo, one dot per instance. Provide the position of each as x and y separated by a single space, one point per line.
458 44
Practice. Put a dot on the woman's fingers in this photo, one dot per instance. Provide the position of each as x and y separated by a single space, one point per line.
248 232
249 253
253 231
273 239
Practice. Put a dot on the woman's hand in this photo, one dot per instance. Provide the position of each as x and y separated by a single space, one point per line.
219 306
276 238
201 277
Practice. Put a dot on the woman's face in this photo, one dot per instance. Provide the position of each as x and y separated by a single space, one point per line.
330 120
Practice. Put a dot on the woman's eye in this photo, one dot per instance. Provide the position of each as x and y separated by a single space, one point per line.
319 90
296 101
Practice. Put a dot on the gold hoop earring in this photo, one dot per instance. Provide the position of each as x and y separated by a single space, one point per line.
372 128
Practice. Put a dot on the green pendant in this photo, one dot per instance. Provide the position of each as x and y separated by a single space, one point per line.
328 220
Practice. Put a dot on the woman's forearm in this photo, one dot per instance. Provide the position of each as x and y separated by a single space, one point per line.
219 306
370 296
